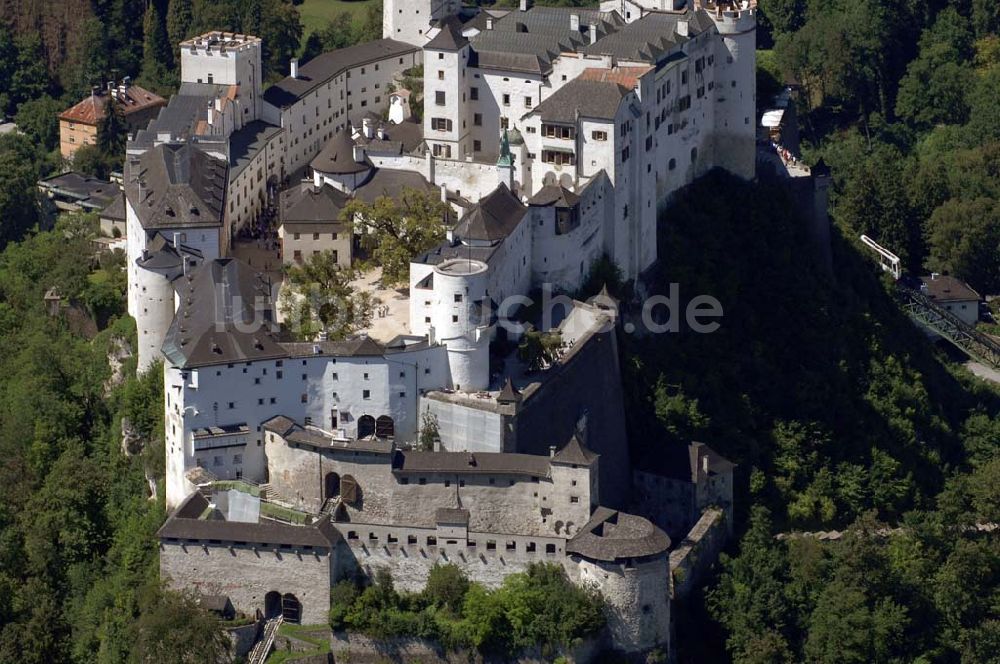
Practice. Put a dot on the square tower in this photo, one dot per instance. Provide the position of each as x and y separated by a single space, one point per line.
410 20
226 58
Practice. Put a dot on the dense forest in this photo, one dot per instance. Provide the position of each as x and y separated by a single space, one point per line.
838 411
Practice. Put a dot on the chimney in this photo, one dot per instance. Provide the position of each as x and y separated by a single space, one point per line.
366 128
525 5
211 115
186 262
444 194
574 22
295 67
593 33
552 451
177 240
704 464
359 153
682 28
317 179
489 22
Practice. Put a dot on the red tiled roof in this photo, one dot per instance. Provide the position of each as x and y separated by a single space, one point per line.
625 76
92 109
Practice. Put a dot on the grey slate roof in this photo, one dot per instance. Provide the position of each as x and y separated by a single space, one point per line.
554 194
116 210
337 157
493 218
184 524
401 138
597 100
509 393
449 37
357 347
176 185
611 536
943 288
574 452
307 204
469 463
391 183
247 143
224 316
317 440
182 112
88 192
331 64
529 41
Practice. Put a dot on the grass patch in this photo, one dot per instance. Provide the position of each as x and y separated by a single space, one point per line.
306 634
283 513
239 485
315 14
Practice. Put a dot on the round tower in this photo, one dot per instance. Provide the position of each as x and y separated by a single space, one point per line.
626 558
735 85
461 320
153 308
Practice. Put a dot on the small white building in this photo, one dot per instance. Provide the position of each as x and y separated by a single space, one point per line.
953 295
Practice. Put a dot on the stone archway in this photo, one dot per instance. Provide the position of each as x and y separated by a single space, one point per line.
331 486
272 604
366 426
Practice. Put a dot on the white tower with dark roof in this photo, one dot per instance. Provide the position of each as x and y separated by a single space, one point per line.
410 21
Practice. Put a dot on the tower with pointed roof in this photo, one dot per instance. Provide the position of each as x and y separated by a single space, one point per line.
505 162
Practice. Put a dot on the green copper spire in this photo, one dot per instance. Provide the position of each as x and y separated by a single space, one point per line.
506 159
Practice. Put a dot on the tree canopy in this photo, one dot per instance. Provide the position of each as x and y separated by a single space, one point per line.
395 231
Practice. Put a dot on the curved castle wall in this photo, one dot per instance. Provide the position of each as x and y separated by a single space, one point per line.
458 285
637 596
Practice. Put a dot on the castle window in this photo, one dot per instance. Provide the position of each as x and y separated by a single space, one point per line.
491 545
447 483
366 394
304 398
599 135
411 539
373 537
474 93
511 545
574 499
422 481
440 98
404 480
506 100
550 548
431 540
352 535
477 119
529 547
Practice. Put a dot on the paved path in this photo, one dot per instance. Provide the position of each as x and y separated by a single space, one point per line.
983 371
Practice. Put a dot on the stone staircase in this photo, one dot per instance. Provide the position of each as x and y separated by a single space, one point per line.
263 647
271 495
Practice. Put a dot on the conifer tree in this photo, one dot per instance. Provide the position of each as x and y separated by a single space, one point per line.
155 48
179 17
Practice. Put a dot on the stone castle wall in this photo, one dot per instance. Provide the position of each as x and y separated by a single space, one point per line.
247 573
637 600
588 383
698 552
485 558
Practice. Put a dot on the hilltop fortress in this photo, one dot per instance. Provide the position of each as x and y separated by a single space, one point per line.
556 135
